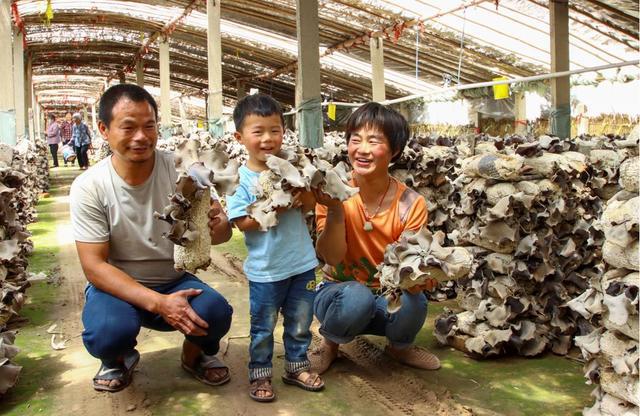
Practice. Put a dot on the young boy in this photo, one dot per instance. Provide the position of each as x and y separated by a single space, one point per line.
281 262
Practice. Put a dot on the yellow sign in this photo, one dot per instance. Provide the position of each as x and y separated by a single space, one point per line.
331 112
500 92
200 124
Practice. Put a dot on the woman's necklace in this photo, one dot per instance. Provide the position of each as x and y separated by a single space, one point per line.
368 225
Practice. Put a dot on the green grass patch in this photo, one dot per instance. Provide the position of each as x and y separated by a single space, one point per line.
235 245
546 385
43 235
41 365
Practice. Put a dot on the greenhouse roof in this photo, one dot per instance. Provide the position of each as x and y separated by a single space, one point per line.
85 43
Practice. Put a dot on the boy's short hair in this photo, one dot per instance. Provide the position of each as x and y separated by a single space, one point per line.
260 104
388 121
114 94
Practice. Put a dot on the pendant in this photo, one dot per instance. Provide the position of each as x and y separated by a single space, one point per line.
368 226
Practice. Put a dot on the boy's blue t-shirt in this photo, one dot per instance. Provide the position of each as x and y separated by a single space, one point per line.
280 252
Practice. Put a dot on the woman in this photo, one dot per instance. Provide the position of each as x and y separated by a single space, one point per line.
81 140
352 238
53 138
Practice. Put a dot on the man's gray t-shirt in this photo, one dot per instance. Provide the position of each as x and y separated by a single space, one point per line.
105 208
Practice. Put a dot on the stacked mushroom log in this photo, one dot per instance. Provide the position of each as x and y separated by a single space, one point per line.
100 150
611 303
429 166
20 184
527 212
30 159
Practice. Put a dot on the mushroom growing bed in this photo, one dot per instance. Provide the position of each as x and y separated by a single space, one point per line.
610 303
528 209
23 176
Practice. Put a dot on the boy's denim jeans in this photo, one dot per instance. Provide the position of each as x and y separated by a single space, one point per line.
294 296
348 309
111 325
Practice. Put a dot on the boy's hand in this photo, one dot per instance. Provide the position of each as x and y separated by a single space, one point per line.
296 202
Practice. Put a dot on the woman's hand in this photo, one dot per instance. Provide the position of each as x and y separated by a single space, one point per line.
323 199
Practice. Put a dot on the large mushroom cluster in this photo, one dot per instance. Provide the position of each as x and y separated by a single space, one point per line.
611 304
528 212
416 257
23 176
204 171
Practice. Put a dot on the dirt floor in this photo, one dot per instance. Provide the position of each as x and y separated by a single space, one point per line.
363 381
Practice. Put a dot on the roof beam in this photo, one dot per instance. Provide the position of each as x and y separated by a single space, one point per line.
361 39
584 13
618 12
165 31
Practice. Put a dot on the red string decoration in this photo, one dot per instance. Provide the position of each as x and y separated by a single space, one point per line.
397 31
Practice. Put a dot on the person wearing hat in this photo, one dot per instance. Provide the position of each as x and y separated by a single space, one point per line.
81 138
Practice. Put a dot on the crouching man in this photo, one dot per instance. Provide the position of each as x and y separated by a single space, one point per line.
128 264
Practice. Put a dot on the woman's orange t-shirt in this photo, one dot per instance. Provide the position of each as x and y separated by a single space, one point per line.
365 249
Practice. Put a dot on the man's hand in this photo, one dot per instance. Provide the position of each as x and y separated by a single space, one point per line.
219 227
175 309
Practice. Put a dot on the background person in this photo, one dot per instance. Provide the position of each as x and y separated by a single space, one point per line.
53 138
81 138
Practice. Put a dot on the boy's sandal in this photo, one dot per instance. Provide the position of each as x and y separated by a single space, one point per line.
264 385
309 383
204 363
122 373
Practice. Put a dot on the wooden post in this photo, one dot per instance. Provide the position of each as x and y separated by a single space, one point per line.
28 92
377 69
18 80
214 63
560 88
7 97
241 89
309 117
183 116
94 121
520 113
165 85
140 72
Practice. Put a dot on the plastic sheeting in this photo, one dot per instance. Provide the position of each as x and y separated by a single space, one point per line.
560 120
8 127
310 123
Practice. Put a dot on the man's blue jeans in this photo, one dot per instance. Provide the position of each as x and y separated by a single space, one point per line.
348 309
111 325
294 296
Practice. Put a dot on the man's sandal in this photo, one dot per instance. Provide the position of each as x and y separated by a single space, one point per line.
122 373
309 383
264 385
204 363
